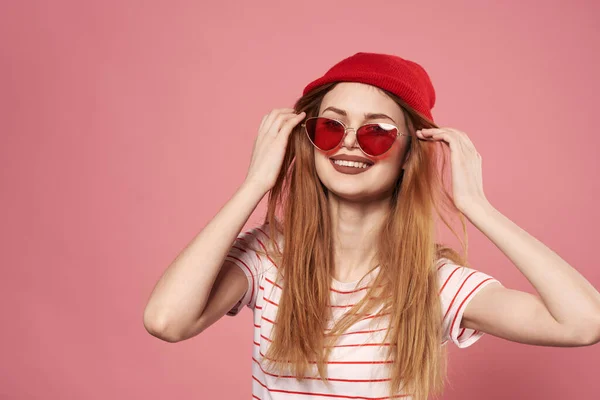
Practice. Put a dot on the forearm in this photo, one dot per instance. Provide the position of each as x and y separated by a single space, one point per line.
181 294
568 296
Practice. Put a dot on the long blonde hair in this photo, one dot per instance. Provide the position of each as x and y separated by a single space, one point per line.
407 254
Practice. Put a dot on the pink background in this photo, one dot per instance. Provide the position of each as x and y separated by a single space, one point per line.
114 156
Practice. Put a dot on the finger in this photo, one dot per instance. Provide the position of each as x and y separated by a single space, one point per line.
278 123
289 125
273 115
431 133
425 133
461 139
436 135
262 123
281 120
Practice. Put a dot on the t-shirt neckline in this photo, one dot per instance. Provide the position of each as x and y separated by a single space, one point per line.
352 285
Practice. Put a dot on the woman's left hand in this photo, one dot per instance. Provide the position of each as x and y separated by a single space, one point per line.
467 183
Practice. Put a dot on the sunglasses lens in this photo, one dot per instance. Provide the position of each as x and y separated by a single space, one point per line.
325 133
376 139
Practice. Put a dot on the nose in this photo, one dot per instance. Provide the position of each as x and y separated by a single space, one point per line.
350 138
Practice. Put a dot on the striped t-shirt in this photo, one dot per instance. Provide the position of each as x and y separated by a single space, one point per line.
357 368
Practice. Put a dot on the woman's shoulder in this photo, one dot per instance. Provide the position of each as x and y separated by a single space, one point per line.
262 238
262 230
447 267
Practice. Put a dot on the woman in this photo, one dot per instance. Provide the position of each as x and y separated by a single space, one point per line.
349 290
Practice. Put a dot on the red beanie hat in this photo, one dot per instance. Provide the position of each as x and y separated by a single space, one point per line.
404 78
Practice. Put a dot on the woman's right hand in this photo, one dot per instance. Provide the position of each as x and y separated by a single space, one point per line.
270 145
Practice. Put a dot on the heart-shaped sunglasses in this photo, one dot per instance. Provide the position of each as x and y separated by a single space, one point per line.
373 139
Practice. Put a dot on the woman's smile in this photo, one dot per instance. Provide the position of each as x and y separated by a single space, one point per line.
349 167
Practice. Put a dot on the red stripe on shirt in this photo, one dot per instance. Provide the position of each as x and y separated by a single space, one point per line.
341 362
358 332
317 378
458 292
264 233
333 306
367 317
448 279
266 252
272 283
336 346
332 289
344 333
338 396
463 302
472 334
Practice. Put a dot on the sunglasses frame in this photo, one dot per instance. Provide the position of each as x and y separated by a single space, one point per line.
398 133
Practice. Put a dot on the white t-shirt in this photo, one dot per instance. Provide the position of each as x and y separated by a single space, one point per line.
357 368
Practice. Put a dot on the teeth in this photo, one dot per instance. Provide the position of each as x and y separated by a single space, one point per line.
354 164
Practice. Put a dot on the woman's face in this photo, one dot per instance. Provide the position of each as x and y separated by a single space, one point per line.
377 181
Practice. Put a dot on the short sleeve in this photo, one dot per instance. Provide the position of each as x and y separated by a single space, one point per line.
243 253
458 286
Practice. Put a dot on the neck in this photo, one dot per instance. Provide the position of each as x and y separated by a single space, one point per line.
355 231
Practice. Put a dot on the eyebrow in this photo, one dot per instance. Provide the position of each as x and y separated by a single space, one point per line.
368 116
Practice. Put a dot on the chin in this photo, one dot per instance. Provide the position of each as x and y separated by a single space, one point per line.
351 190
365 186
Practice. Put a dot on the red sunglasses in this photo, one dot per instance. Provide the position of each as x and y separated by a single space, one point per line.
373 139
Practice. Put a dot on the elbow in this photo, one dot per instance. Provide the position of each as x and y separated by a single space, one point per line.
595 338
590 339
590 335
158 326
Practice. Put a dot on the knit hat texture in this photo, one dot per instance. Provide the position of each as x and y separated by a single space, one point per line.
406 79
